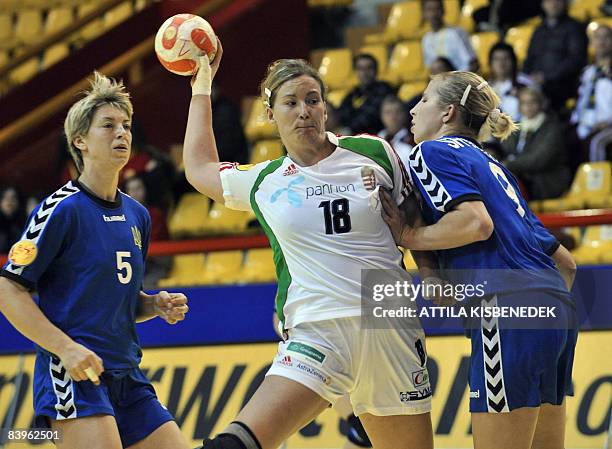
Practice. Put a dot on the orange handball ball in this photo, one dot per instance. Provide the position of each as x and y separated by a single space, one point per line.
181 40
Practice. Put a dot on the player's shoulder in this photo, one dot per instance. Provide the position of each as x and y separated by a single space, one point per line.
368 145
60 203
133 205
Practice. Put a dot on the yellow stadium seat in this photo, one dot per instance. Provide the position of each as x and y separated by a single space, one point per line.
266 150
336 68
535 206
93 28
591 188
257 125
258 266
409 262
118 14
452 12
381 54
335 97
596 246
222 220
6 27
58 18
408 91
584 10
54 54
482 43
403 22
190 216
222 267
406 63
25 71
29 26
187 269
3 57
519 37
469 6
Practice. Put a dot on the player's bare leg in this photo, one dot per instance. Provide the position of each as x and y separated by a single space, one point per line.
345 410
513 430
550 429
166 436
91 432
399 431
279 408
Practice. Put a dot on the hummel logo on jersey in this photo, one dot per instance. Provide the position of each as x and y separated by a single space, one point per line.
113 218
291 170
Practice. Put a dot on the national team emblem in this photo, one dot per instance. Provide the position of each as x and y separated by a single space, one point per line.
137 237
23 253
369 178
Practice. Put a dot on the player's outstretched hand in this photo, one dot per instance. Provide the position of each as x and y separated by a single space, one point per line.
171 307
81 363
201 82
393 216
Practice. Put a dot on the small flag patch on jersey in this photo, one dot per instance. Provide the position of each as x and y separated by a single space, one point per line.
245 167
137 237
23 253
368 176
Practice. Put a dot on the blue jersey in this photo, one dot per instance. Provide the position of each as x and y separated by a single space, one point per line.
88 269
451 170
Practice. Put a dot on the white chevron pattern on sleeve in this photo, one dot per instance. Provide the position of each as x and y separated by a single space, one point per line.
431 184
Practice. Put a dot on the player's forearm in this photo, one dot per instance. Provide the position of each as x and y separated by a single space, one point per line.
566 265
21 311
200 151
467 224
146 308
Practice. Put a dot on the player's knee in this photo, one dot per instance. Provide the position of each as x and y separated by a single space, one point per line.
236 436
356 433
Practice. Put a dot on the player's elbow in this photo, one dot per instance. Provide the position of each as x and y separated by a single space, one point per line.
483 227
479 223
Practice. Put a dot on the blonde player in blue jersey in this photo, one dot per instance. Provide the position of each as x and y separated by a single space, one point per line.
84 251
319 207
483 231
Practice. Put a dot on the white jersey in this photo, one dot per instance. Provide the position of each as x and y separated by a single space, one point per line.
324 223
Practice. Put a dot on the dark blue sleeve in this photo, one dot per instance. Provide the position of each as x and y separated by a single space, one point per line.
443 180
47 229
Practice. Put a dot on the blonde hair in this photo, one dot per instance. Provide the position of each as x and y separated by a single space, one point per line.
478 104
283 70
103 91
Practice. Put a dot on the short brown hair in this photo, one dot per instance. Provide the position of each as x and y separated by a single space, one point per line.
103 91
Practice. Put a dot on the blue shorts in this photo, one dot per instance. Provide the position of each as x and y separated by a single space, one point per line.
512 368
125 394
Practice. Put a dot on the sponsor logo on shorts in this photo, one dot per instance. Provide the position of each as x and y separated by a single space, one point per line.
308 351
417 395
475 394
286 360
420 377
313 372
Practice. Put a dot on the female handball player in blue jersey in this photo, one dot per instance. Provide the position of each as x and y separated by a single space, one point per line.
84 251
478 222
320 209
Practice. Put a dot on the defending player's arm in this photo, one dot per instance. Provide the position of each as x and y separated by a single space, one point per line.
21 311
566 265
200 154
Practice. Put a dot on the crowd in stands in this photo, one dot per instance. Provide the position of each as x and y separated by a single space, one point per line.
562 102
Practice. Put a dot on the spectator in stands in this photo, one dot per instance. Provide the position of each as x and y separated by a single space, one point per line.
450 42
157 267
557 52
360 109
12 218
229 135
504 78
440 65
537 154
396 132
499 15
333 123
593 112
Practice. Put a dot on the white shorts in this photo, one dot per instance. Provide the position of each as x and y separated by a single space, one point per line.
383 371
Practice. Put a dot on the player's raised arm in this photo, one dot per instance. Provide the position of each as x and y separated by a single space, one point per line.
200 150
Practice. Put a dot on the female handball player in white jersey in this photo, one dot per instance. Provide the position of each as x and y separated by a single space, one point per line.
319 208
483 230
83 251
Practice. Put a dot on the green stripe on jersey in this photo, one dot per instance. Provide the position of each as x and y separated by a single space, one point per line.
370 148
282 272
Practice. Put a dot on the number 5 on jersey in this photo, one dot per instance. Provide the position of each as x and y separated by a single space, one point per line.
124 276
